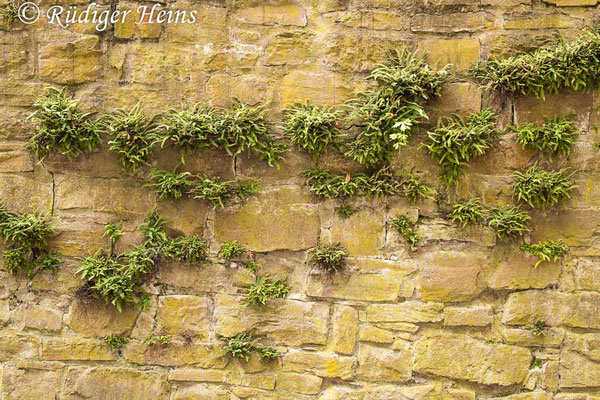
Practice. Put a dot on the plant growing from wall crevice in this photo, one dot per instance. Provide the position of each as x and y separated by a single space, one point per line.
169 185
327 256
27 236
538 328
383 182
132 136
469 212
455 141
264 288
508 223
540 188
232 250
407 230
188 249
60 127
555 138
386 117
548 251
312 128
220 192
152 339
548 69
242 345
115 341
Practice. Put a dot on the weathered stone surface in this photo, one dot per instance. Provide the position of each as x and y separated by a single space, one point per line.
461 53
387 286
409 311
383 392
71 349
451 277
175 354
273 15
35 383
572 3
383 365
288 49
518 272
578 310
298 383
96 319
345 329
281 320
18 346
578 371
362 234
374 334
320 364
461 357
452 22
184 315
474 316
546 21
291 217
77 61
207 278
116 196
321 88
200 392
114 383
31 316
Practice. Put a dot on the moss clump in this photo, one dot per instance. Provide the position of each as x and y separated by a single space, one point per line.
26 236
329 257
470 212
312 128
132 136
548 251
555 138
508 223
60 127
548 69
407 230
383 182
455 142
540 188
386 117
264 289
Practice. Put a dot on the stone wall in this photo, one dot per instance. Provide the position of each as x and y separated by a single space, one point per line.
443 322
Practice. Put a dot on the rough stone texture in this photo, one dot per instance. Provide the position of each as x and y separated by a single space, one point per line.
461 357
444 322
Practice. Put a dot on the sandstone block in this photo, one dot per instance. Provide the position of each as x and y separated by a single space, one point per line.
284 321
31 316
291 217
298 383
73 349
321 364
114 383
460 357
345 329
461 53
410 311
384 365
577 310
189 315
463 316
77 61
